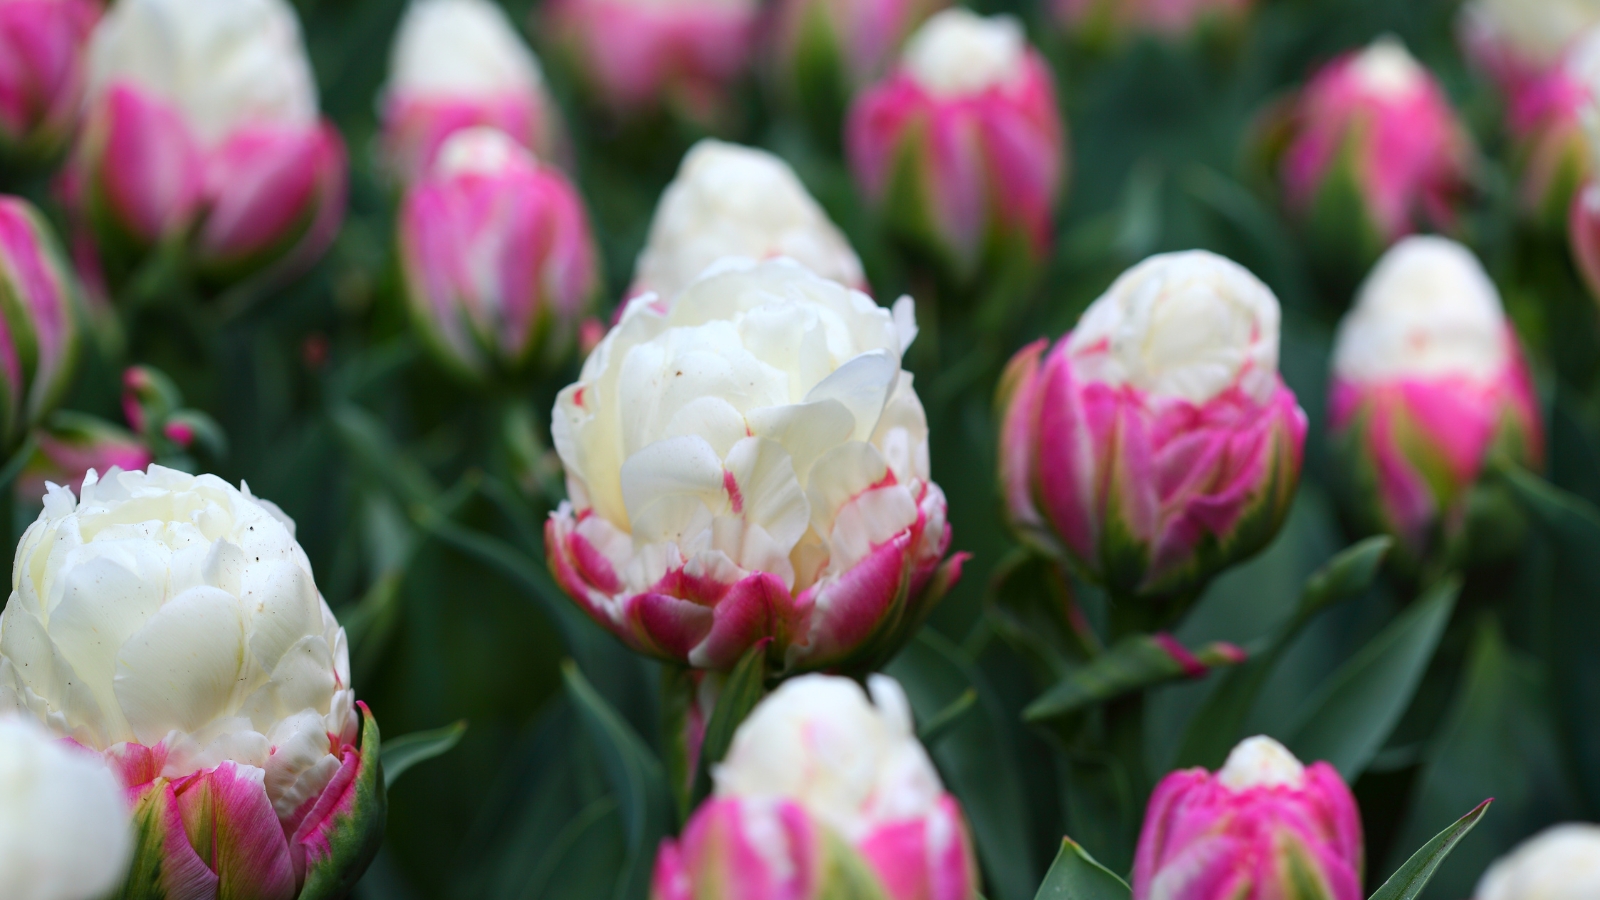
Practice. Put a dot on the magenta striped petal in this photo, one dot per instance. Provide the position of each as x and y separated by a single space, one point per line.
145 172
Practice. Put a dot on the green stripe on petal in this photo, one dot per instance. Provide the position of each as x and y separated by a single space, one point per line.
342 834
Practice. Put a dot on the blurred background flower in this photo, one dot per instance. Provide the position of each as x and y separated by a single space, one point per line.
1559 863
42 74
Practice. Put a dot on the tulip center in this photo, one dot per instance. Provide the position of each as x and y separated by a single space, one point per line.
1261 762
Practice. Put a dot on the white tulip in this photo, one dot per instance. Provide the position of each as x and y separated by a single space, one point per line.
1182 325
1559 863
1386 69
960 52
460 48
1538 32
729 200
1261 761
65 832
171 610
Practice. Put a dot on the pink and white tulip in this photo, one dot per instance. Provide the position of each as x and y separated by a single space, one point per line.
751 462
1263 827
1512 40
826 50
1155 444
1559 863
39 340
69 446
194 651
498 261
962 148
1111 19
460 64
42 74
729 200
202 129
1429 382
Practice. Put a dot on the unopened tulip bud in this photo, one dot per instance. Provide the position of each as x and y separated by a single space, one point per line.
497 257
65 832
829 49
1559 863
962 149
42 75
1428 384
1105 20
69 445
729 200
458 64
1263 827
1155 444
194 651
751 462
38 347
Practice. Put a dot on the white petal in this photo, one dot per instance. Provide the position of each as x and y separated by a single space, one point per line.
806 430
863 386
283 606
842 473
770 494
180 670
681 473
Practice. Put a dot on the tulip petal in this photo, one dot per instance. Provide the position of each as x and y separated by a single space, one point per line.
165 866
179 671
339 836
234 830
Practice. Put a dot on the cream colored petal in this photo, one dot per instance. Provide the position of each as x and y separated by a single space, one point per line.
181 669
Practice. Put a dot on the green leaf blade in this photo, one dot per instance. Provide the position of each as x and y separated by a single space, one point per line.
1408 882
1075 875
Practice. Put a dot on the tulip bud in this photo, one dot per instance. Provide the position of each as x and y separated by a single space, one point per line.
829 49
962 148
1559 863
69 446
639 55
752 462
38 346
1372 151
1104 20
1263 826
497 257
1155 444
194 651
202 130
457 64
729 200
1428 383
1515 39
42 74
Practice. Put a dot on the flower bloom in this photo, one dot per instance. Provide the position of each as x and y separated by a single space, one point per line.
637 55
729 200
962 149
202 127
826 50
70 445
171 623
1102 19
1559 863
64 827
41 73
1263 826
498 261
1428 382
38 345
457 64
823 790
751 462
1155 444
1372 150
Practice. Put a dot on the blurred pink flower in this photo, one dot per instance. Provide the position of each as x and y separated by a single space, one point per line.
42 73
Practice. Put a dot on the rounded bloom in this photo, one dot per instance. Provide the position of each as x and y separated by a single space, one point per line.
1371 150
64 827
1155 444
1107 19
203 126
826 50
962 149
497 257
1559 863
751 462
637 55
172 623
729 200
38 344
1263 826
1428 382
457 64
41 73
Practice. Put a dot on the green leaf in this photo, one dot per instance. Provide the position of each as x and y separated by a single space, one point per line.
1076 876
1136 662
739 692
401 753
1409 880
1349 718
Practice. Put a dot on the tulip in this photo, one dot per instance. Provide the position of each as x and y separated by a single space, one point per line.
1428 384
193 650
636 56
498 261
1559 863
1262 827
1514 39
751 462
826 50
1155 444
41 74
38 345
1107 19
1371 151
962 149
729 200
70 445
457 64
202 132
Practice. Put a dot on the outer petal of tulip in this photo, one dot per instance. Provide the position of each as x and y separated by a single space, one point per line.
143 175
38 320
340 830
41 74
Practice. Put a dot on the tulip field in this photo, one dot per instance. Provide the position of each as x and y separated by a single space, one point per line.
800 449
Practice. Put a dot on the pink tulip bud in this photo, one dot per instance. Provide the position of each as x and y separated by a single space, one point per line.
39 337
1372 151
962 148
1262 827
41 73
1428 383
69 446
1111 19
637 55
498 260
1155 444
829 49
